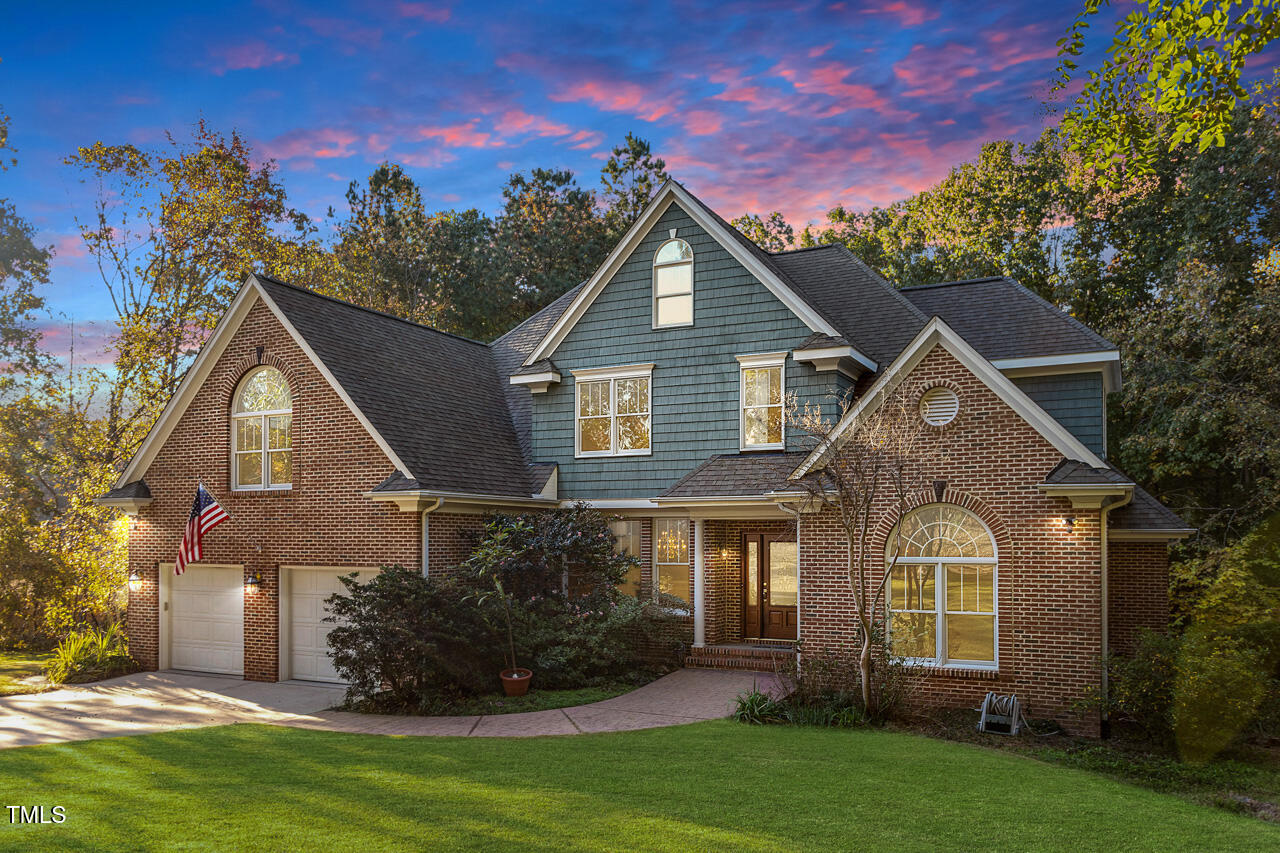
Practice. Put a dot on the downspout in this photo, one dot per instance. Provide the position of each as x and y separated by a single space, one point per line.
1106 616
426 535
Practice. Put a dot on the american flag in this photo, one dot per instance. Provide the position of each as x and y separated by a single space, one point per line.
205 515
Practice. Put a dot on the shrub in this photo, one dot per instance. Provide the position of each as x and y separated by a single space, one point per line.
91 655
1219 687
1141 685
757 708
825 689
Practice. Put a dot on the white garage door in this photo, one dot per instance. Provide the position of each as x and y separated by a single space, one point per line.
206 620
308 632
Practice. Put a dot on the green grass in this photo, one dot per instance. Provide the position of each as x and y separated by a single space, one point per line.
717 786
16 665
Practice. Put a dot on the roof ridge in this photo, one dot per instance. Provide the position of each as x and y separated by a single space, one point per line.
308 291
806 249
957 281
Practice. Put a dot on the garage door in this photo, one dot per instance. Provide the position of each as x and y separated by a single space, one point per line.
308 632
206 620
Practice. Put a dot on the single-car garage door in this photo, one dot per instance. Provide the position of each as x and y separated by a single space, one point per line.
206 619
308 654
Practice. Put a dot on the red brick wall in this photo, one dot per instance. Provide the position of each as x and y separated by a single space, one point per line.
450 540
1137 590
1048 578
323 520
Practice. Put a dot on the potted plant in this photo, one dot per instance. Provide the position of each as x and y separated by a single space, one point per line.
515 679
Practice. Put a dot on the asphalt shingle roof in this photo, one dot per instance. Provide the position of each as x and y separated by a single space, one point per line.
737 474
136 489
1002 319
1145 513
434 397
1072 472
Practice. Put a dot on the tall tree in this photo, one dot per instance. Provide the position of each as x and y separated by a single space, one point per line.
629 179
24 269
1172 76
772 233
549 235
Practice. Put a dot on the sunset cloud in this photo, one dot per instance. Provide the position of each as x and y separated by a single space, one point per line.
250 55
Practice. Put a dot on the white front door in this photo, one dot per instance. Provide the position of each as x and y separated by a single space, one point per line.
206 619
308 632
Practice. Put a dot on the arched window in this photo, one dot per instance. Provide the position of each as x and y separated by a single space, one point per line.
942 587
673 285
262 431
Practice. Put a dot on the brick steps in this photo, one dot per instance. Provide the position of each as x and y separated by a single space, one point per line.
762 658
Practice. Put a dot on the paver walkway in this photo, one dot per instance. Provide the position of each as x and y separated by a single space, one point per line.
160 701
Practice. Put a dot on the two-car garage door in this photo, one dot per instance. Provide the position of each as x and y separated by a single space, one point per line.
206 620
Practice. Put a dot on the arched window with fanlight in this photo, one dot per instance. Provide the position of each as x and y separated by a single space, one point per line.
942 588
673 285
262 431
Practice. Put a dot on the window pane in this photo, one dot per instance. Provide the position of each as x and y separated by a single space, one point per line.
264 391
671 541
675 310
672 280
595 434
673 250
249 469
281 467
753 572
773 424
633 432
280 432
755 387
971 637
782 574
969 589
914 635
943 531
626 535
755 428
918 588
593 398
249 434
674 580
633 396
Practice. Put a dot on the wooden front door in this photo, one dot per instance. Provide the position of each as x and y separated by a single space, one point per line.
769 587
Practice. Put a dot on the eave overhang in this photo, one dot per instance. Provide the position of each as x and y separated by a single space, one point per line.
129 506
1088 495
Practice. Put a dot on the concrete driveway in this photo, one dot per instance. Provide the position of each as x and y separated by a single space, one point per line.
154 702
161 701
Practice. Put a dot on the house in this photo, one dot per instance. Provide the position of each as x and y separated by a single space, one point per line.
342 439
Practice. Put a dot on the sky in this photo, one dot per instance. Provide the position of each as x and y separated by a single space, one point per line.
755 106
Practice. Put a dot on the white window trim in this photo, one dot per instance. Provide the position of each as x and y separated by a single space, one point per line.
653 284
264 452
610 374
656 564
754 361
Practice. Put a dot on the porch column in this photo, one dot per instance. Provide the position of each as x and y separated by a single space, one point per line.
699 586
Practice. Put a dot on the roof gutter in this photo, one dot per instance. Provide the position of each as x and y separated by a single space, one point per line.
1106 616
429 500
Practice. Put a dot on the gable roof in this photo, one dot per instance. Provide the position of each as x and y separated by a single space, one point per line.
402 381
1145 513
1002 319
736 475
937 333
758 262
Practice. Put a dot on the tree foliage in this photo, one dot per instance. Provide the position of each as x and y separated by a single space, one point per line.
629 179
1172 76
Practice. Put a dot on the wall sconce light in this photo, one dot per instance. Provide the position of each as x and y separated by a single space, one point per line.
724 553
1070 521
135 580
253 583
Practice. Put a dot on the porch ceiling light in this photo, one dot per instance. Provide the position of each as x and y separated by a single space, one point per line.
253 583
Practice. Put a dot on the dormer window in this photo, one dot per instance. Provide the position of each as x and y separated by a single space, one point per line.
262 431
673 285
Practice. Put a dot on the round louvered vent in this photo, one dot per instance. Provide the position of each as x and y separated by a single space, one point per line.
939 406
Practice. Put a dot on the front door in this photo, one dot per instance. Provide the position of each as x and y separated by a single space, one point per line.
770 588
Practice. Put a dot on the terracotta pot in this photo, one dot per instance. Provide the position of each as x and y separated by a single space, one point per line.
515 682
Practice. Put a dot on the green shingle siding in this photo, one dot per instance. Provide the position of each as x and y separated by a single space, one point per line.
695 390
1075 400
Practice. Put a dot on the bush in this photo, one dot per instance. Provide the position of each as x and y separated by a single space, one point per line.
1141 685
91 655
756 708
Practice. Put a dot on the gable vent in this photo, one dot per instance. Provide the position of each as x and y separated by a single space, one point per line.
939 406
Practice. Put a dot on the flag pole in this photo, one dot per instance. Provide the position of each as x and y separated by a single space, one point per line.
200 484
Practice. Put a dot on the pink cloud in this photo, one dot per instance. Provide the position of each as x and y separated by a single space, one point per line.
619 96
429 12
251 55
584 139
832 80
432 158
464 135
323 143
908 14
69 246
702 122
1024 44
815 52
516 121
92 341
932 79
339 29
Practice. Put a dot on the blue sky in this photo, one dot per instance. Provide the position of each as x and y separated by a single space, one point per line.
755 106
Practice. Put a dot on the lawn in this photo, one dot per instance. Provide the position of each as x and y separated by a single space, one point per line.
717 785
16 665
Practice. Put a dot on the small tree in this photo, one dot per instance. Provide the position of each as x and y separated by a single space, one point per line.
871 465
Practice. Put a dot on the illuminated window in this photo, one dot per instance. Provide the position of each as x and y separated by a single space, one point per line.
613 411
262 431
673 285
626 535
763 396
942 587
671 557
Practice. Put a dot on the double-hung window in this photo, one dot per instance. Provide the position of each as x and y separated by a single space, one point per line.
942 588
626 537
671 557
613 411
673 285
763 399
262 432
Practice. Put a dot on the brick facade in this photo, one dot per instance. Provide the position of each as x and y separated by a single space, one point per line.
324 520
1137 590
